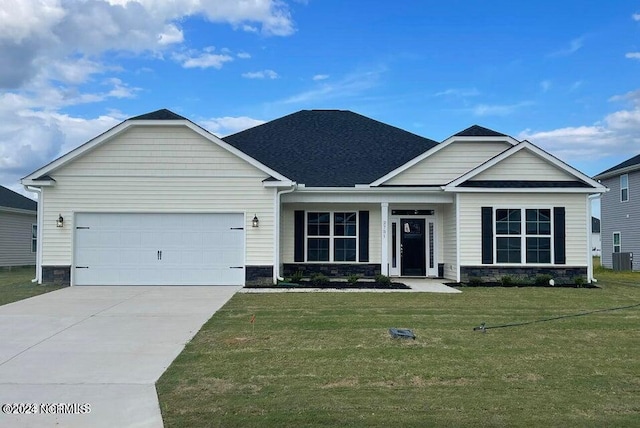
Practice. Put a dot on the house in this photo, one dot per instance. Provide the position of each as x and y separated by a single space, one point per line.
620 210
596 241
18 233
159 200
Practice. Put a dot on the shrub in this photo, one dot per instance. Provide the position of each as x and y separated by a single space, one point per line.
296 277
475 281
507 281
383 279
353 279
543 280
578 281
319 279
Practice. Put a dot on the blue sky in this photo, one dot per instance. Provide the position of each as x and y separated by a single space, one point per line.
563 75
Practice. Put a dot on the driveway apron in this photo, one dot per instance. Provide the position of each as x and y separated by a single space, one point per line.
90 356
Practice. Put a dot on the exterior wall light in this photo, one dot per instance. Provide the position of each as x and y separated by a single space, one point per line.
255 222
60 221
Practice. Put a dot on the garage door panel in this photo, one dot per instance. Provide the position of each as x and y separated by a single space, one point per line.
159 249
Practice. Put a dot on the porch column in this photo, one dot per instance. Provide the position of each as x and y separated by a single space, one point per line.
384 262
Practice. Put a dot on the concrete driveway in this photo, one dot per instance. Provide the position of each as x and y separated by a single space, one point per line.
96 348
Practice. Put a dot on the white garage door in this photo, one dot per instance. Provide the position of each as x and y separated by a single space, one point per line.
159 249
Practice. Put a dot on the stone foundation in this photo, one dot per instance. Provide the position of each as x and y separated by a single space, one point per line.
56 275
332 270
561 275
258 275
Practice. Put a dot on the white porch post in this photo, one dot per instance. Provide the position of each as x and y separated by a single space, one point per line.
384 208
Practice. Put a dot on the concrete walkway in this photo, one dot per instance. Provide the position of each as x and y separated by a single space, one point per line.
104 347
418 285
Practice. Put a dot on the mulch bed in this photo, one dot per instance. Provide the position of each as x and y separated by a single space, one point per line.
337 286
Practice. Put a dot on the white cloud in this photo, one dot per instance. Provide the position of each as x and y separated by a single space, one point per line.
171 35
206 61
263 74
458 93
243 55
617 134
498 109
36 33
320 77
636 16
574 46
351 85
633 55
222 126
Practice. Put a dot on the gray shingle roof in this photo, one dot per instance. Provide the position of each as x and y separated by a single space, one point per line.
479 131
626 164
11 199
330 148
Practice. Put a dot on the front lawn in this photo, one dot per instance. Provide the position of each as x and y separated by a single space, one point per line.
15 284
326 359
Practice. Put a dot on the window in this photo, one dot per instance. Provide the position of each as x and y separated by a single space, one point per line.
508 248
538 235
624 188
617 244
523 235
34 238
332 237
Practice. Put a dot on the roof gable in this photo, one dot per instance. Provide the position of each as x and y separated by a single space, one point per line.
11 199
446 164
506 176
330 148
162 117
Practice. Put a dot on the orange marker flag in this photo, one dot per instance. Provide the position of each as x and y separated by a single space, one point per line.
253 319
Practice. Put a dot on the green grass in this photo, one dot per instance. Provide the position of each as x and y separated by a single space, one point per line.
326 359
15 284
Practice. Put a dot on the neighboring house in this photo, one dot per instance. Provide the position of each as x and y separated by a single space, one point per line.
620 211
159 200
596 242
18 243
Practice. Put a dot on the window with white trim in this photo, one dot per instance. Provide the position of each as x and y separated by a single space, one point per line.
617 242
332 236
34 238
624 188
523 235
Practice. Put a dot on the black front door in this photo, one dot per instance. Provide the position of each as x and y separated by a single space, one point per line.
413 254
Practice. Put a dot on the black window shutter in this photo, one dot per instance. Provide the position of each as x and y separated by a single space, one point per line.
559 236
363 236
487 235
298 237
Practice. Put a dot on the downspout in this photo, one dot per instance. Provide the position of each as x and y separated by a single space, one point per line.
39 223
276 232
590 277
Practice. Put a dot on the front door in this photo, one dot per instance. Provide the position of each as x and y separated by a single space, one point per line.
413 260
412 246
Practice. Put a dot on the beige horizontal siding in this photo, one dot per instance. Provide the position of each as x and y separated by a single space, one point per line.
448 239
287 227
448 163
168 176
524 165
576 215
15 239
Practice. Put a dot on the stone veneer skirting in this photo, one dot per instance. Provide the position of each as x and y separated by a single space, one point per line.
56 275
561 275
259 275
61 275
333 270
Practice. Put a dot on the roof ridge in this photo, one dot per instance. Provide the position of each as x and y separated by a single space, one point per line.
162 114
